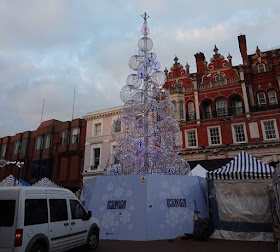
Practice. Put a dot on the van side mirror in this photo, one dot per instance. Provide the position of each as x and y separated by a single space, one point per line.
89 214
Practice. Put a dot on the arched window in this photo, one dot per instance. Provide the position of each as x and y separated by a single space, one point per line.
236 105
221 107
191 113
181 110
261 68
272 97
261 99
207 110
220 77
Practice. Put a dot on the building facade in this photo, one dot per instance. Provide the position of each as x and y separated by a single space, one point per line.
55 150
99 143
223 109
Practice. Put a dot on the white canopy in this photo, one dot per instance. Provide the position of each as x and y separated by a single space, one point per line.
198 171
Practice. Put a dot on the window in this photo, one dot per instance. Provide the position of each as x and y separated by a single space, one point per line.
181 110
7 213
220 77
95 158
58 210
191 114
214 135
270 131
191 140
36 212
47 141
23 146
3 149
16 147
272 97
117 126
236 106
64 137
221 107
239 134
207 110
75 136
261 68
39 143
261 99
97 129
115 160
77 211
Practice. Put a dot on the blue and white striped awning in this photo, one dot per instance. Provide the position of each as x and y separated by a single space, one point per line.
243 166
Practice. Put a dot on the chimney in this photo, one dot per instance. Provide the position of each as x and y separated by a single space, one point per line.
200 58
243 48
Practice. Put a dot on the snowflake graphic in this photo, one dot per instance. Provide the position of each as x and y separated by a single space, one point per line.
118 192
172 218
108 220
110 187
163 195
162 206
175 190
129 193
105 197
164 184
131 208
125 217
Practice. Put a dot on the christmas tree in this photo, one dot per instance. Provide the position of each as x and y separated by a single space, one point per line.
150 139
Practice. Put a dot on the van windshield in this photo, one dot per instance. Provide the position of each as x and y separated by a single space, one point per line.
7 213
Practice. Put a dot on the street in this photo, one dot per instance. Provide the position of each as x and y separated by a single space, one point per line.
184 245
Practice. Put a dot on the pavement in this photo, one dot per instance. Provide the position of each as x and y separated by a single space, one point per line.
184 245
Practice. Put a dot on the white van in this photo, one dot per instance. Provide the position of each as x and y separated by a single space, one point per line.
44 219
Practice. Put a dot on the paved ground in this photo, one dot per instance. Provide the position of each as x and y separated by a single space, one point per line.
184 245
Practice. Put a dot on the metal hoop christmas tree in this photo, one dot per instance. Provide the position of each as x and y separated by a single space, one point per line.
150 140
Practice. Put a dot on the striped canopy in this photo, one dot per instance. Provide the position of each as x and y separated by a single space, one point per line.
243 166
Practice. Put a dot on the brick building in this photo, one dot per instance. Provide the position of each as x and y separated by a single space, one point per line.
55 150
223 109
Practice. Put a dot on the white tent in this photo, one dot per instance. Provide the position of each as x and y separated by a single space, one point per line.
239 201
10 181
198 171
45 182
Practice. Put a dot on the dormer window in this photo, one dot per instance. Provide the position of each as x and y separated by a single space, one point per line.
220 77
261 99
261 68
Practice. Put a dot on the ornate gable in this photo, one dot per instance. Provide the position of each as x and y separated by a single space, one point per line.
178 75
259 61
220 70
177 70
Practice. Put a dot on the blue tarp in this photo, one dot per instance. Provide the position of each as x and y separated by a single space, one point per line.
23 182
149 207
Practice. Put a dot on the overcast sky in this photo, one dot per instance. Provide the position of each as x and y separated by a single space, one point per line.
49 48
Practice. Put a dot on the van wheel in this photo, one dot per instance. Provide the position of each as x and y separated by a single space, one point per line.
38 247
93 239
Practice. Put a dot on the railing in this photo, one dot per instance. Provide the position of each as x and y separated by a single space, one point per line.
225 82
223 112
264 107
